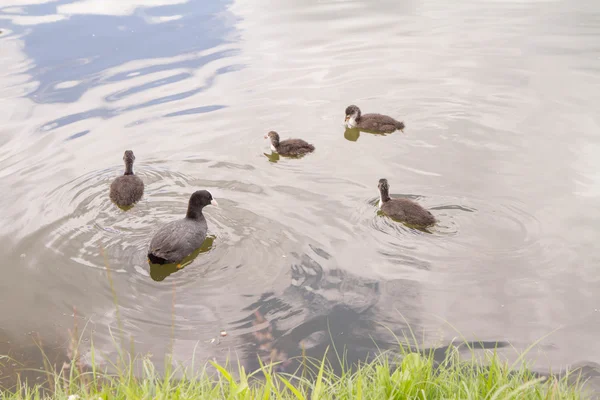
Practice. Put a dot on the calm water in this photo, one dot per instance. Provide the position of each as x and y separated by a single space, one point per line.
502 143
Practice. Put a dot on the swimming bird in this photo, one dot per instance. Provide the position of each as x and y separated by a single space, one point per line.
127 188
178 239
289 147
403 210
371 122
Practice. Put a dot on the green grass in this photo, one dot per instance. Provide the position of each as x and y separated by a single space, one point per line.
405 376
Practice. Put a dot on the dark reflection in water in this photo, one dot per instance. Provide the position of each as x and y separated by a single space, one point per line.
339 313
273 157
351 135
501 104
334 307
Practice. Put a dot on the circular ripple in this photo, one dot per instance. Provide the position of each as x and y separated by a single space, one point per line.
96 232
455 216
502 227
245 253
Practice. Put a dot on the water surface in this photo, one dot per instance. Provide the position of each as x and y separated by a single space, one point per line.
500 100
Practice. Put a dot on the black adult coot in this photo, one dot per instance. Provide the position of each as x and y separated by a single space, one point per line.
127 188
289 147
371 122
403 210
178 239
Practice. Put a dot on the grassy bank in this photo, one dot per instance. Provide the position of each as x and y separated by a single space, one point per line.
411 376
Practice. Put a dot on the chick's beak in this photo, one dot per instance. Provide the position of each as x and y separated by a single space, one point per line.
347 118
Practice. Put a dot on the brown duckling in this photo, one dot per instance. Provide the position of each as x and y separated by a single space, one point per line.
403 210
371 122
289 147
128 188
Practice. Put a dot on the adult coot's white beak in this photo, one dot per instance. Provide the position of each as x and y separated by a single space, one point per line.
214 203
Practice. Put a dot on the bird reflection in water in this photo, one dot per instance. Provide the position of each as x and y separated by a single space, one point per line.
273 157
352 134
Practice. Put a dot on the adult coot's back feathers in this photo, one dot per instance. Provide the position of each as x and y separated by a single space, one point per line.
178 239
403 210
371 122
289 147
128 188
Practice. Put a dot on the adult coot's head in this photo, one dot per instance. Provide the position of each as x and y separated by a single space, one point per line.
198 200
129 158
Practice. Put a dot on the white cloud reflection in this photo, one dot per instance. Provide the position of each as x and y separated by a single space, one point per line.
17 14
162 19
25 20
15 3
112 7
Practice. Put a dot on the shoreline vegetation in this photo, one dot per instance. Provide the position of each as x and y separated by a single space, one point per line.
408 374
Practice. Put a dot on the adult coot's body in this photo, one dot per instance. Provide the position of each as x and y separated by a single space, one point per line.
178 239
371 122
127 188
289 147
403 210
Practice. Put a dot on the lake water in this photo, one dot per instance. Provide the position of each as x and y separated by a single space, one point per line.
502 144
